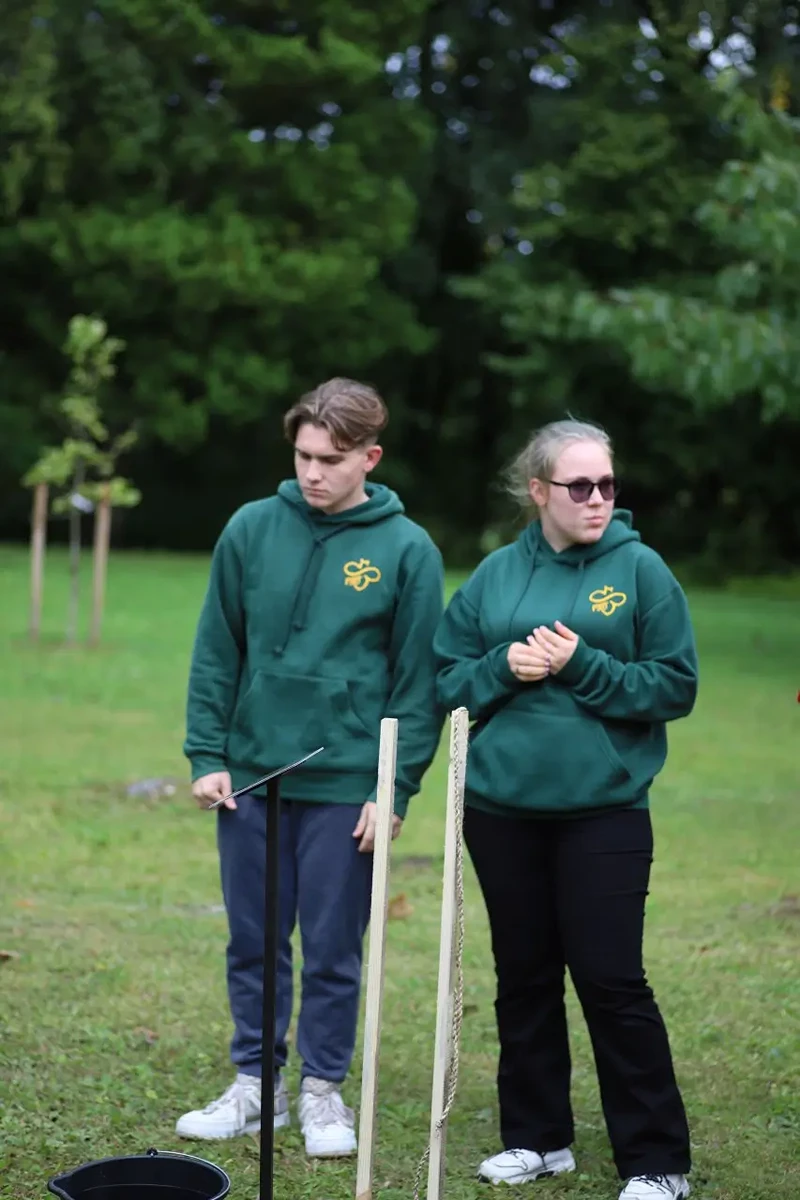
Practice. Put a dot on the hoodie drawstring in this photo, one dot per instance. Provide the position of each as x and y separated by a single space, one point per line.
524 592
302 600
567 617
575 594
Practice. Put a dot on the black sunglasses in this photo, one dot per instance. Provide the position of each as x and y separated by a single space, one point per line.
581 490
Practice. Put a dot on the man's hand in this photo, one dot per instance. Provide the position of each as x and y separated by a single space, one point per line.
528 662
365 828
559 646
213 787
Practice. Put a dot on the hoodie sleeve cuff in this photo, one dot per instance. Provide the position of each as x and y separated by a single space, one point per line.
401 800
206 765
498 663
574 671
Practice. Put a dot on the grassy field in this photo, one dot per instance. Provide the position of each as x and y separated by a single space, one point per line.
113 1016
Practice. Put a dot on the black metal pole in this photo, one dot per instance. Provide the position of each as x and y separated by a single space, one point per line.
271 893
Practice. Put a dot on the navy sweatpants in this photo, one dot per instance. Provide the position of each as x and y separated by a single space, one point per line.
325 885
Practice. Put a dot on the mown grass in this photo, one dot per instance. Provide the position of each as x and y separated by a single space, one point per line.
113 1016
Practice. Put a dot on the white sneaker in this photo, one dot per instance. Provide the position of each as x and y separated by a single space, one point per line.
236 1112
655 1187
327 1123
523 1166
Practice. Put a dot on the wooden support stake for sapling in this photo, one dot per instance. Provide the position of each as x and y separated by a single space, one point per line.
41 494
102 540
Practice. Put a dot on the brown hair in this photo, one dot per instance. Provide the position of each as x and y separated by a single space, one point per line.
353 413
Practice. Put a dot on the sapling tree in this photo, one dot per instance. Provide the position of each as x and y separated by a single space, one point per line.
82 470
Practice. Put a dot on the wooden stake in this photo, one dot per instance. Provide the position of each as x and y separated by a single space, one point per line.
445 1000
102 539
387 767
38 544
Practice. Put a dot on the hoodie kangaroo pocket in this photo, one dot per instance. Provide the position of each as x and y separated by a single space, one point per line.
547 763
281 717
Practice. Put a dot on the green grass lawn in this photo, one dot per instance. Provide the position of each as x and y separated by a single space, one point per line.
113 1017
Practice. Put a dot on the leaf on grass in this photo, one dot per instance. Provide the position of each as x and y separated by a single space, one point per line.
147 1034
8 955
399 907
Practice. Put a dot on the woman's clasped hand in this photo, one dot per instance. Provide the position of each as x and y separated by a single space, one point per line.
544 653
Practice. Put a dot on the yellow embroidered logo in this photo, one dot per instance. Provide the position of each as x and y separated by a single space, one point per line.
360 574
606 601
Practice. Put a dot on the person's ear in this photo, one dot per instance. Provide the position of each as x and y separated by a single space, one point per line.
372 457
539 492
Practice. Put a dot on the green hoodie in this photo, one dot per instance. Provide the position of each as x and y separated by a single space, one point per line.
592 736
314 627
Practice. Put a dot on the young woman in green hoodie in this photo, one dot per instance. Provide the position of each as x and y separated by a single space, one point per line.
572 648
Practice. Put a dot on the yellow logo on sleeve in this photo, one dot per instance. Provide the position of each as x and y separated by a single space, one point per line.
606 601
360 573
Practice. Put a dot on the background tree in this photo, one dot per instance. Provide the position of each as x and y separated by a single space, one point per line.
225 188
257 199
610 233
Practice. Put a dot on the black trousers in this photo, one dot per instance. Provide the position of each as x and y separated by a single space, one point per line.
571 894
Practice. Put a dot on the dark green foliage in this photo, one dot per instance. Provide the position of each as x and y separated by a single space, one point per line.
496 213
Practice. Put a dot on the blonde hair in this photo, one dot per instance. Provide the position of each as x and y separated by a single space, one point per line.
353 413
539 457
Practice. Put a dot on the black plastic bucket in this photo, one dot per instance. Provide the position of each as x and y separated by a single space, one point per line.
150 1176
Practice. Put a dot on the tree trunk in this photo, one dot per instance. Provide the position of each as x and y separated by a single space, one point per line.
38 544
74 560
102 539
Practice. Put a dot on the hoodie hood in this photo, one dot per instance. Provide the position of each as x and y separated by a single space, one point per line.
381 502
534 544
538 553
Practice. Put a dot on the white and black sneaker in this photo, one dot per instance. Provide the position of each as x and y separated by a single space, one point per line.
524 1166
328 1124
236 1112
655 1187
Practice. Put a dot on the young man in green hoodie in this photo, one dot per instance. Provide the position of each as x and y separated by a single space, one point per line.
317 623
